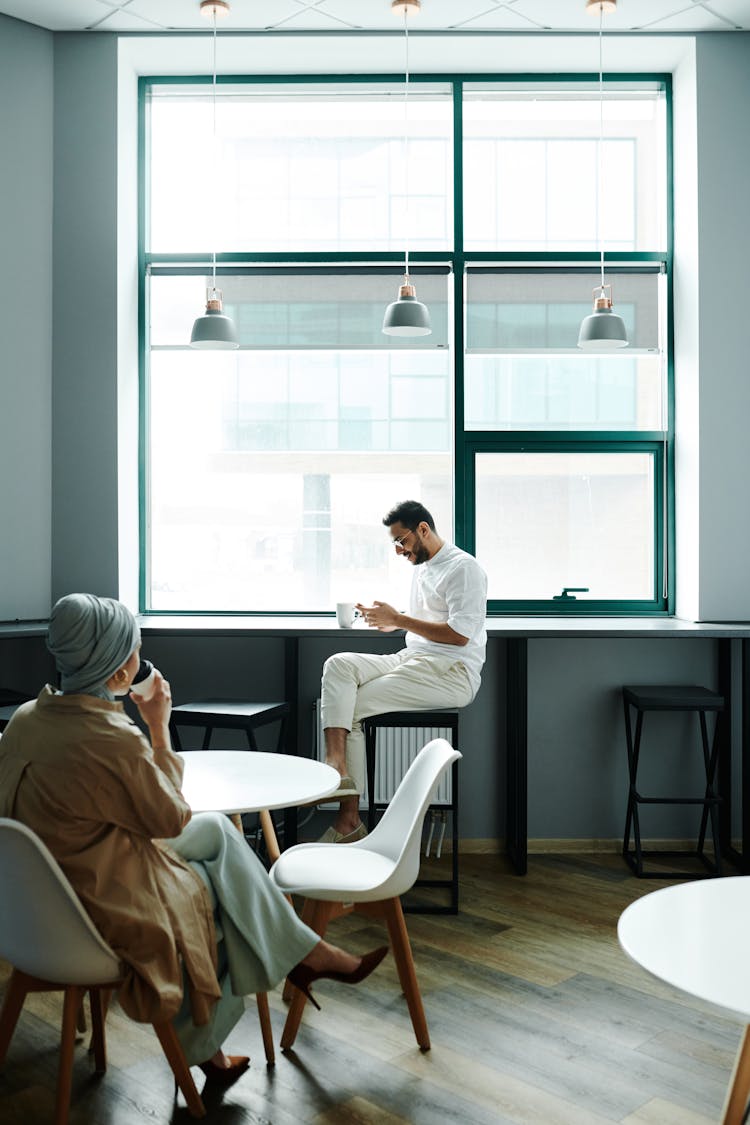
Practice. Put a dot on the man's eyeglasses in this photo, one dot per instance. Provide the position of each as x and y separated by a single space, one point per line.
399 543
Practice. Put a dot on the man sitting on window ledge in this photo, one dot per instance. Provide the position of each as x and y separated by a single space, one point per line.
439 667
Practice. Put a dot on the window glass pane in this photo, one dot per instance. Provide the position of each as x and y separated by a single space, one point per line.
593 392
300 168
283 308
539 309
549 520
531 169
271 471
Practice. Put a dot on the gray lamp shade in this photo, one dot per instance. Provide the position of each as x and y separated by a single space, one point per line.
407 316
214 329
603 330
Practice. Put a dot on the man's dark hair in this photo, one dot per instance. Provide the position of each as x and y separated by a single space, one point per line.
409 513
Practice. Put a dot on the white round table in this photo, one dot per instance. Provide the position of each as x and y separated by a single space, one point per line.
237 781
694 937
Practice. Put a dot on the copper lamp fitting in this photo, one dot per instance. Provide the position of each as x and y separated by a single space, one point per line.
210 8
602 301
408 7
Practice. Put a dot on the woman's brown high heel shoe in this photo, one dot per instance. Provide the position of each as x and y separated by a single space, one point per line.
225 1075
302 976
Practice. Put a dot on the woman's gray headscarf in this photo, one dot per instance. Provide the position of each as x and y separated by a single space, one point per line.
90 638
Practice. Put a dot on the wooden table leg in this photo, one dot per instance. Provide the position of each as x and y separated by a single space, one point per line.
261 998
269 835
736 1100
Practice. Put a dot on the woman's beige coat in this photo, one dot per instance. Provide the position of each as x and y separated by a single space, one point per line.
77 771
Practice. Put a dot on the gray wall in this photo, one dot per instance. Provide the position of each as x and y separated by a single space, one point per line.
723 107
84 396
26 123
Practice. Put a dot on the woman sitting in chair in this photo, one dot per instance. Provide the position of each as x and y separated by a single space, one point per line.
183 902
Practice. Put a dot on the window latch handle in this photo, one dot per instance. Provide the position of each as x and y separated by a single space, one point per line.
569 593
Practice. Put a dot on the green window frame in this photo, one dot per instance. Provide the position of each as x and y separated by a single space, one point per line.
467 444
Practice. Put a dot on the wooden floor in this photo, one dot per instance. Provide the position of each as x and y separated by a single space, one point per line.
536 1018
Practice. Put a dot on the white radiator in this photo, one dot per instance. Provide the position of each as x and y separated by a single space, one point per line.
397 747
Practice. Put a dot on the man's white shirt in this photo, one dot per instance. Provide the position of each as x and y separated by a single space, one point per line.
451 588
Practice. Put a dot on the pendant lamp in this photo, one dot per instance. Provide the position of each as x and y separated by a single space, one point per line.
214 330
406 316
603 329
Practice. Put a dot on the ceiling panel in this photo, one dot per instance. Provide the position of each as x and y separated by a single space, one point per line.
375 15
734 11
692 18
73 15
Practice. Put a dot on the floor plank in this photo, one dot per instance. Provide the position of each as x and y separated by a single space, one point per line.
535 1014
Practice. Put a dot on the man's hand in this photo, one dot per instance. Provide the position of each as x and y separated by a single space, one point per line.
380 616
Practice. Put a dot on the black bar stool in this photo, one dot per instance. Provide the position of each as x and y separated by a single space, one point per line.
414 719
671 698
225 714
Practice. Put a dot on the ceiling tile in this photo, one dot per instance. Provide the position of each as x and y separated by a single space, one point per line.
503 19
434 14
123 19
185 15
735 12
312 17
74 14
575 17
692 17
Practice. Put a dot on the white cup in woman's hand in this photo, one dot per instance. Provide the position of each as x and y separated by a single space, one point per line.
145 682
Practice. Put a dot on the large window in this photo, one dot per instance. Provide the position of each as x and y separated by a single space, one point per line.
267 471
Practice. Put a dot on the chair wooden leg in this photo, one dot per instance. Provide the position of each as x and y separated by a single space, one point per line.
98 999
293 1019
401 947
15 994
739 1086
71 1005
318 921
176 1058
264 1016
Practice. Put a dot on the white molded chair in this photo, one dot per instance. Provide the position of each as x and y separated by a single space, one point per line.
369 876
53 946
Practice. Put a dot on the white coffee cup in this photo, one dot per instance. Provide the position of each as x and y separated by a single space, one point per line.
345 614
144 683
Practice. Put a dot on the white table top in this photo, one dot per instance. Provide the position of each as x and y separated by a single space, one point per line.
694 936
237 781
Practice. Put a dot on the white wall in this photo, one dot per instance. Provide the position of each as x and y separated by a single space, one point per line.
26 120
